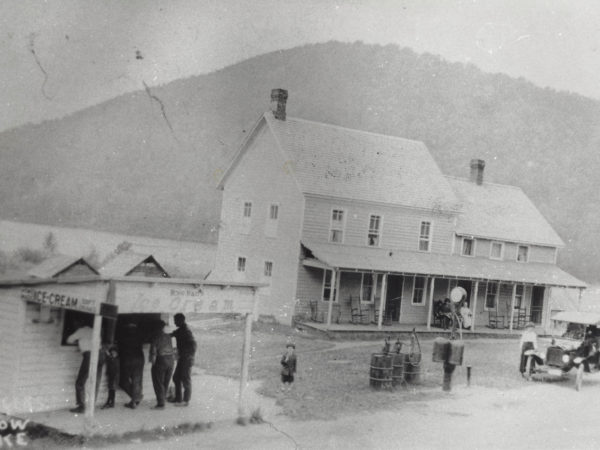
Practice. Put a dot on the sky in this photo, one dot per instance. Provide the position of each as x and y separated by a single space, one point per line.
60 56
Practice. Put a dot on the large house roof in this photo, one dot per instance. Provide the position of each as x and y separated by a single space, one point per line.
435 264
339 162
501 212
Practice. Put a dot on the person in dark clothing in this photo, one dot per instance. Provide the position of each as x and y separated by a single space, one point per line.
446 313
111 359
186 351
288 367
132 364
162 360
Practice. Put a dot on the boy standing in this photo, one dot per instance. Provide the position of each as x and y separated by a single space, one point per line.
288 363
112 373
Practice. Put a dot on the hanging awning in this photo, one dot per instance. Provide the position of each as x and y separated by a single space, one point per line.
355 258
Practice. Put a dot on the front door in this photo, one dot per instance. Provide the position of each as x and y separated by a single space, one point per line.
537 304
393 297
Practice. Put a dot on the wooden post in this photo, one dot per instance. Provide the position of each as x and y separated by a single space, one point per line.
245 365
512 307
382 301
430 309
475 306
331 296
93 369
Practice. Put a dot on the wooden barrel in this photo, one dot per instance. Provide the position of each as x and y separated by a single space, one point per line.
397 369
381 371
455 356
412 368
441 349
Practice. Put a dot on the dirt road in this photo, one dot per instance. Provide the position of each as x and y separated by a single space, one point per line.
537 416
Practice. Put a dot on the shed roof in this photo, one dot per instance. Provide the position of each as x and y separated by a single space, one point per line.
439 265
57 265
501 212
340 162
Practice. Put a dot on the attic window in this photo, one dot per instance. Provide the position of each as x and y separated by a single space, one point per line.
522 253
468 246
496 250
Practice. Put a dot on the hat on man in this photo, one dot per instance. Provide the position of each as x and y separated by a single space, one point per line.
530 325
289 344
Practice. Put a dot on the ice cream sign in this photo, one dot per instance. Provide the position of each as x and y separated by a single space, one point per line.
180 298
57 298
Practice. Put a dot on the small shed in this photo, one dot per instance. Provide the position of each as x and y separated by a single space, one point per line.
39 368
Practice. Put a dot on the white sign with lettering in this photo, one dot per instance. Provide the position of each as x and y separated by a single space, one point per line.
174 298
78 297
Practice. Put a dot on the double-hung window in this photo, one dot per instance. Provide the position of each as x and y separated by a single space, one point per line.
241 264
425 236
520 289
268 269
336 227
418 297
374 231
272 222
327 288
491 295
367 285
247 210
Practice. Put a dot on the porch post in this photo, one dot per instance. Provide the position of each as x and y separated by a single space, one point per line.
474 305
382 298
332 290
512 307
430 309
91 385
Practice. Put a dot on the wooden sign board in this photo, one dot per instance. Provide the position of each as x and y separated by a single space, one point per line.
85 298
174 298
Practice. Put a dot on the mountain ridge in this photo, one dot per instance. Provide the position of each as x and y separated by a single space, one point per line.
148 162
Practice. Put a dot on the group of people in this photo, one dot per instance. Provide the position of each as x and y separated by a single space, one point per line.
442 311
124 362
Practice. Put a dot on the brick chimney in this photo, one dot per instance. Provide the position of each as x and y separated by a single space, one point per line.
278 101
477 166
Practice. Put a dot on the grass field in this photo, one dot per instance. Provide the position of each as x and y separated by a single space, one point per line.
333 376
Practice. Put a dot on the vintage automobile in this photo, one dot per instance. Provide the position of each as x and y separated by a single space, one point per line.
577 347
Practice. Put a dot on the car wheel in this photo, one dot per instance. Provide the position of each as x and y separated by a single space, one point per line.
579 377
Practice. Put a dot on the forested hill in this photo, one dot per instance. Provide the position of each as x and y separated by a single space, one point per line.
147 162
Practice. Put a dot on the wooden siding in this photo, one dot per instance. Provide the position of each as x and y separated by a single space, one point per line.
400 226
262 177
10 344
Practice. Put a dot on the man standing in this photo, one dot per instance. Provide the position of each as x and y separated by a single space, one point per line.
132 364
186 350
83 337
161 358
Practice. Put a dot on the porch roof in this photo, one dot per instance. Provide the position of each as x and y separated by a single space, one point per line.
438 265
